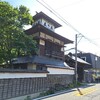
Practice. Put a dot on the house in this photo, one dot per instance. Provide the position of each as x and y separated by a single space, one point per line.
94 60
37 73
50 46
81 66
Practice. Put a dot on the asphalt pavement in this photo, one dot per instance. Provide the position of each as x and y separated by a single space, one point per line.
88 92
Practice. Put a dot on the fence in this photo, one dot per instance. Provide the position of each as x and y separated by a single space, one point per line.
16 87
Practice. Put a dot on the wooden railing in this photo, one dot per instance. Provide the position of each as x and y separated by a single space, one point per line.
54 54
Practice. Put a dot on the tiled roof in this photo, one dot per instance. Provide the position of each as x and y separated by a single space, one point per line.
41 60
43 15
80 60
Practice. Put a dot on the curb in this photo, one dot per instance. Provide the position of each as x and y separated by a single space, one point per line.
51 95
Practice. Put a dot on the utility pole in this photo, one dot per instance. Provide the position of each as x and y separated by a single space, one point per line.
76 76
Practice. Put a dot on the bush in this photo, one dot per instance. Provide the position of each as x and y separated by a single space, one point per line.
71 85
79 84
59 87
28 98
48 92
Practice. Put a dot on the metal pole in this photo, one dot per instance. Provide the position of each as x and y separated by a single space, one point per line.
76 59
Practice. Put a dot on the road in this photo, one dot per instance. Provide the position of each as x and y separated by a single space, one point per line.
91 92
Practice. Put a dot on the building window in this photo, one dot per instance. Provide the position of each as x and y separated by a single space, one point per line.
53 49
42 42
84 58
45 24
41 68
39 22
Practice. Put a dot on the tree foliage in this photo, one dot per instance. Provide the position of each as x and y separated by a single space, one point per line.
13 41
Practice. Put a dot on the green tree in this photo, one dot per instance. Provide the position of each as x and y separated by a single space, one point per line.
13 41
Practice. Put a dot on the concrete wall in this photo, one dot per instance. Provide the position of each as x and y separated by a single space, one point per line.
21 75
60 71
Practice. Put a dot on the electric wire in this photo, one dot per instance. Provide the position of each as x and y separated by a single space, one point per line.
70 4
64 21
57 15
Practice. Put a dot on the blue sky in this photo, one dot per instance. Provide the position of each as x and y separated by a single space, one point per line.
82 14
21 2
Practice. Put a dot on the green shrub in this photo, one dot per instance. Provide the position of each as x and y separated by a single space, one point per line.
59 87
48 92
28 98
79 84
51 91
71 85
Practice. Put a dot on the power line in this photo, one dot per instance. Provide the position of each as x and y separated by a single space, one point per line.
71 4
64 21
57 15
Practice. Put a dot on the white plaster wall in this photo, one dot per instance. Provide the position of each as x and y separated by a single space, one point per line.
22 75
43 21
60 71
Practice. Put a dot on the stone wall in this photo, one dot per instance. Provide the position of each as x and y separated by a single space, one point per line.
59 79
15 87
